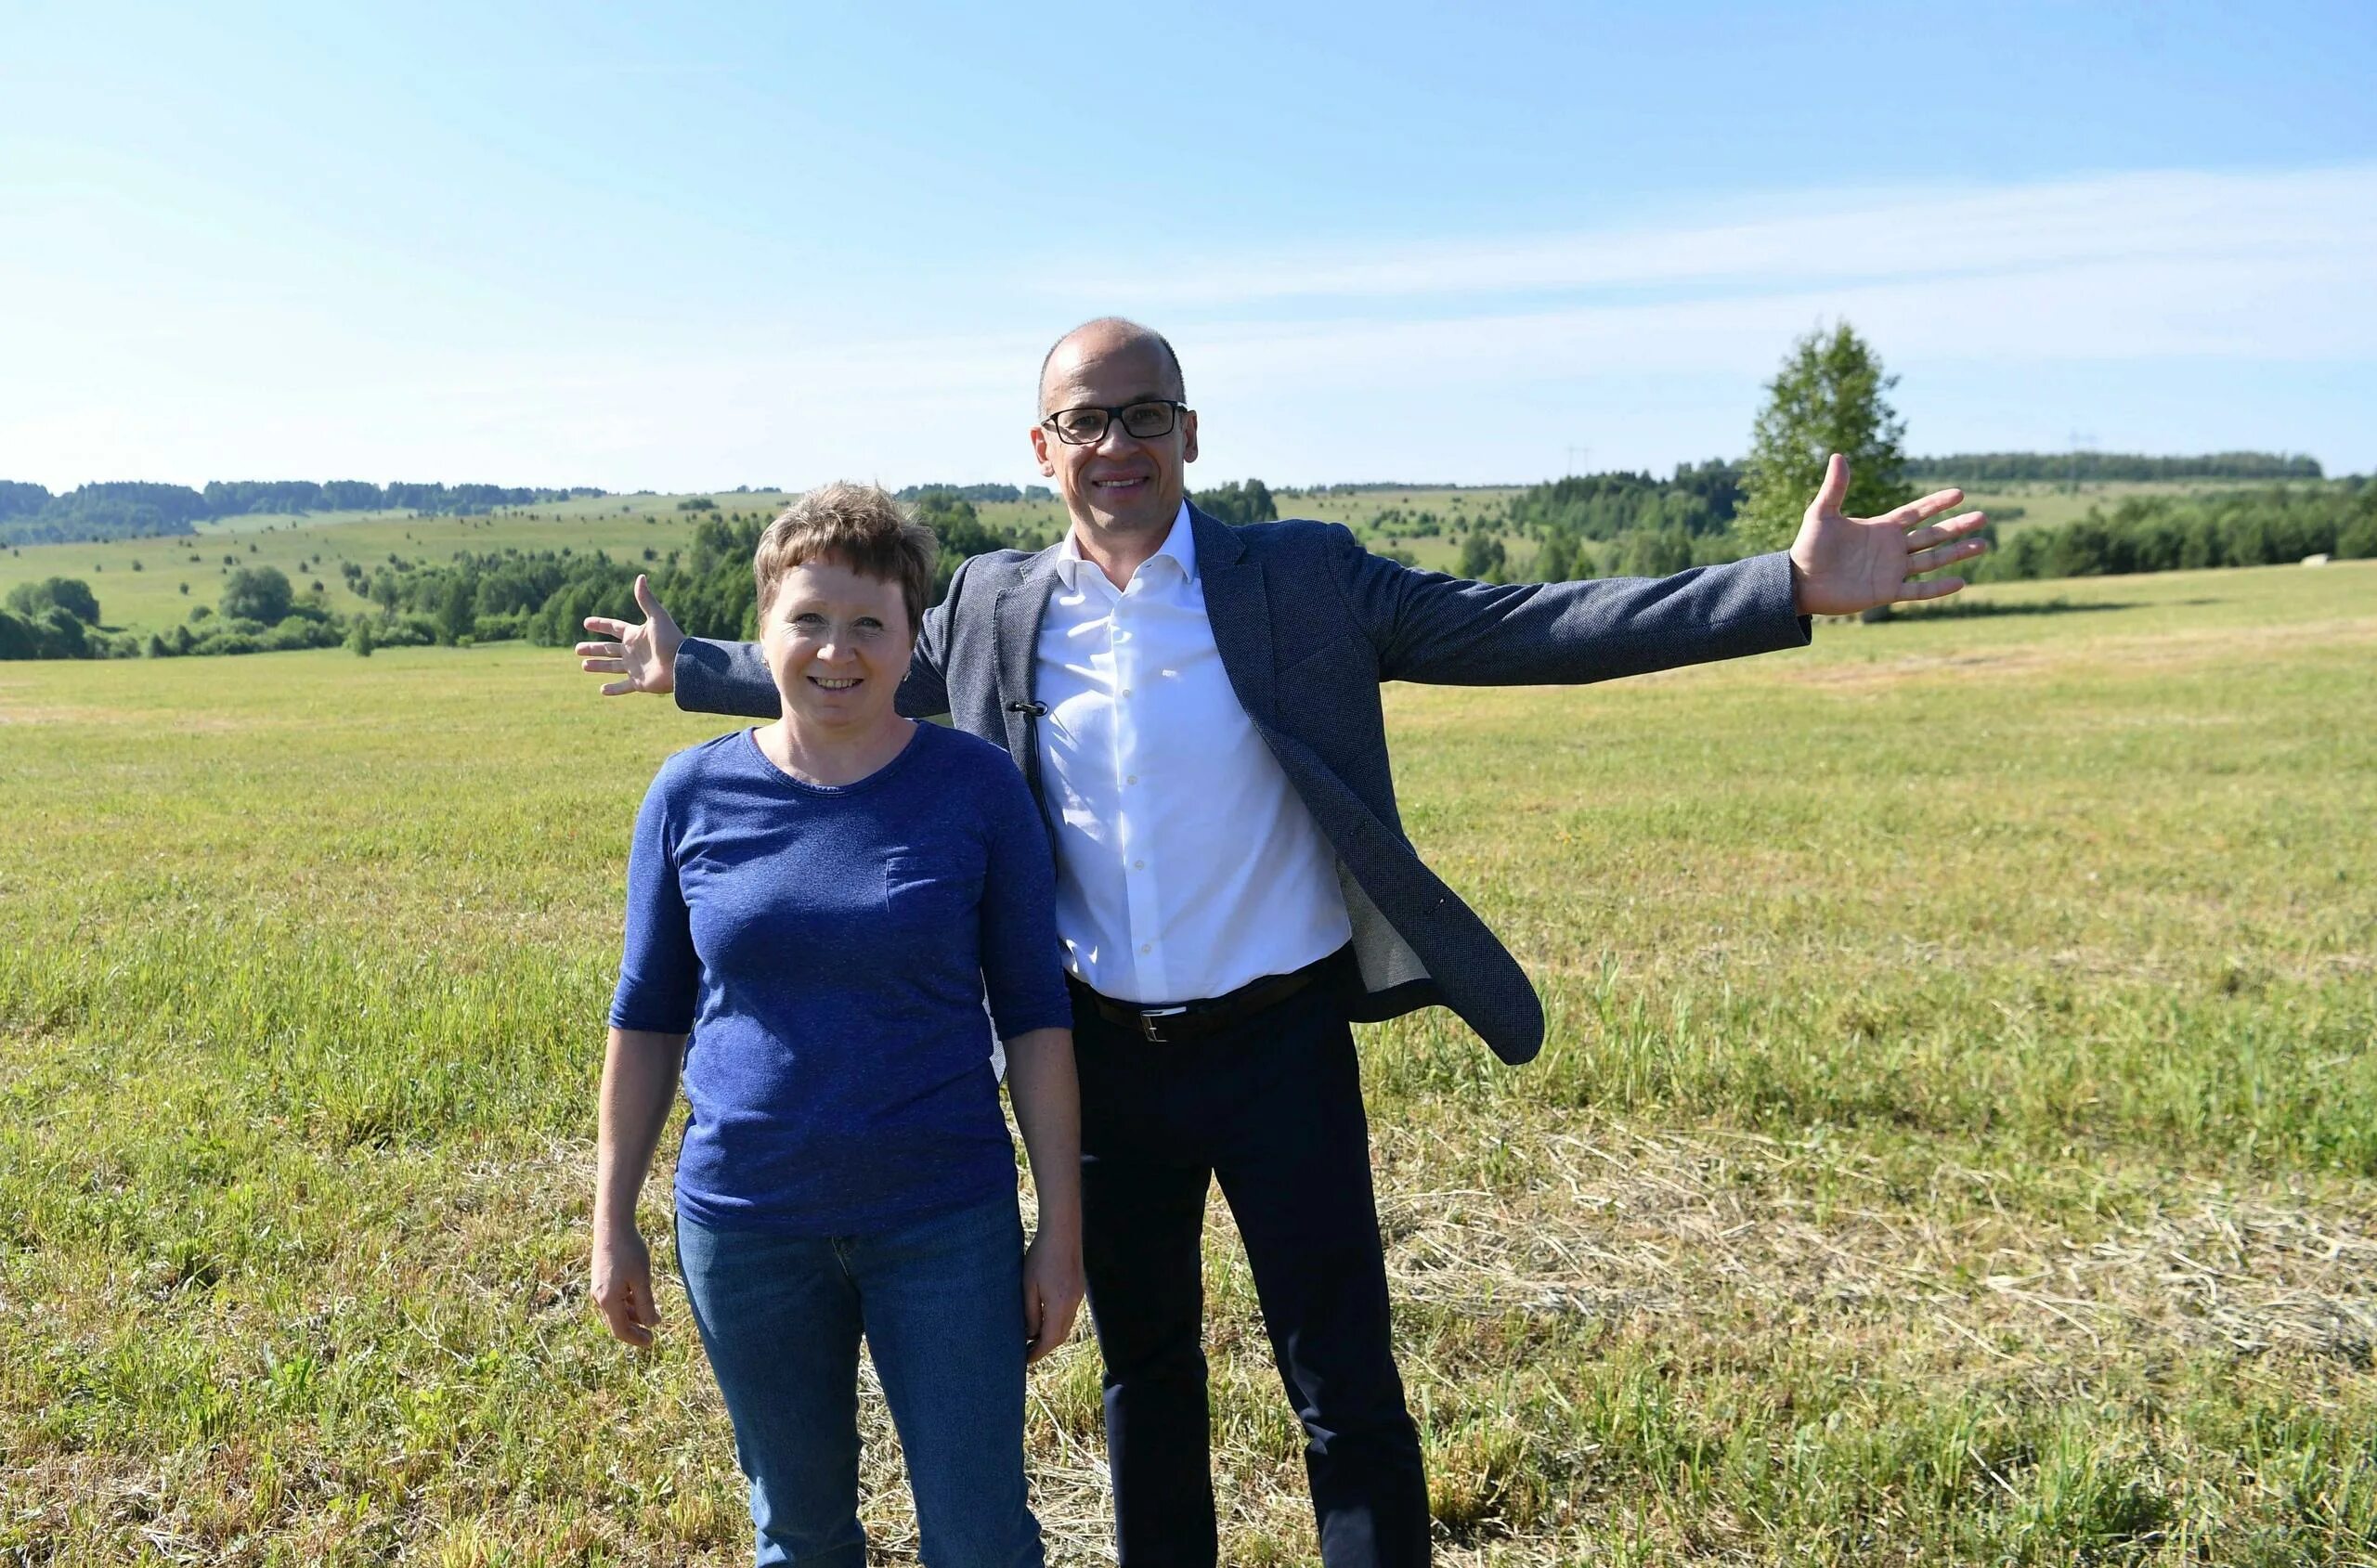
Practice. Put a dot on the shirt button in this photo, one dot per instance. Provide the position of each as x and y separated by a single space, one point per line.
1126 691
1132 779
1138 865
1146 947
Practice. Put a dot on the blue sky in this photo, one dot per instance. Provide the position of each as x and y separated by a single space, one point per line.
779 244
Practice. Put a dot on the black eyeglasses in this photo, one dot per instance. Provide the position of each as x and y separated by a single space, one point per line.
1086 425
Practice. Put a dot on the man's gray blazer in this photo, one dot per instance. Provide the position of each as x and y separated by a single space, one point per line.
1309 624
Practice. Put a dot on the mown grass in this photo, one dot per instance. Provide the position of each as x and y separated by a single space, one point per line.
1957 1141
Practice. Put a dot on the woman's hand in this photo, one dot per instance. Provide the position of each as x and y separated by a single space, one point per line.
1047 1111
639 1082
1052 1289
622 1285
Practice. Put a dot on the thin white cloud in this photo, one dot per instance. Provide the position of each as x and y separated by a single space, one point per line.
2301 310
1307 364
1822 237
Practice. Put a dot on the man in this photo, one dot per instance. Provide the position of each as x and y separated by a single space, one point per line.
1196 707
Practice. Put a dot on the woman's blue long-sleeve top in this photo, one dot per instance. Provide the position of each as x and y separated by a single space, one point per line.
828 951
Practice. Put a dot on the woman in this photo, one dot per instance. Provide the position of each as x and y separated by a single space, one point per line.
820 903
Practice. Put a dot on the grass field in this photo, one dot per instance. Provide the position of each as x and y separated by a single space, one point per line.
1957 1141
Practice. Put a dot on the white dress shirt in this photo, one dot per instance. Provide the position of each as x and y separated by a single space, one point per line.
1186 865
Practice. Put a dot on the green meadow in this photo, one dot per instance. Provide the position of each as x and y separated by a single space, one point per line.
1957 1143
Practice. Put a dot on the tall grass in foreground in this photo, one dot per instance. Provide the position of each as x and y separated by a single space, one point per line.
1957 1141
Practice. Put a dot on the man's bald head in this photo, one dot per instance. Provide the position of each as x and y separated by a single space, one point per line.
1106 335
1122 491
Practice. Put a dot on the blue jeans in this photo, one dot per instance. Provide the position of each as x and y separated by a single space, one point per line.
939 1302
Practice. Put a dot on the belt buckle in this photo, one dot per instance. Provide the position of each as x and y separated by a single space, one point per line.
1149 1028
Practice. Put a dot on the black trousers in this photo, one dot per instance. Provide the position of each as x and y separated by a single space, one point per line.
1274 1108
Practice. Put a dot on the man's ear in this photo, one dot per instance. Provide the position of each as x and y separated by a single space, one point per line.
1040 451
1188 436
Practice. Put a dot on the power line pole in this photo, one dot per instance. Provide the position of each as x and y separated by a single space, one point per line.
2081 440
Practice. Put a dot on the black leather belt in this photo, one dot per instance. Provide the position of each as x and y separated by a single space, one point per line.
1193 1020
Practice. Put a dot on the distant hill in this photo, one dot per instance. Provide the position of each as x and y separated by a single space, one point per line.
30 514
2093 467
125 509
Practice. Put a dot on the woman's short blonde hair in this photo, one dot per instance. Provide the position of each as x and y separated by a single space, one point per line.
856 526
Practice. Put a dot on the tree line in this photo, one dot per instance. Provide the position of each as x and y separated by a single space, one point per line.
1831 396
980 492
2088 468
129 509
2274 527
1239 502
539 596
545 596
260 612
1648 527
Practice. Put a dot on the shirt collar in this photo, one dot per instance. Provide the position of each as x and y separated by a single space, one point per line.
1180 544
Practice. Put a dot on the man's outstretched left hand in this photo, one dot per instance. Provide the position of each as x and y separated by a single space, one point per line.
644 655
1842 565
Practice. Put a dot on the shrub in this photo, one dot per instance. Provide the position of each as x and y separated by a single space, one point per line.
1480 557
257 593
1238 503
296 632
503 628
60 634
70 594
1655 552
2358 540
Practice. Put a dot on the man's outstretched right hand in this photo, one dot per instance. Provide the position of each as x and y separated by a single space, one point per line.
645 655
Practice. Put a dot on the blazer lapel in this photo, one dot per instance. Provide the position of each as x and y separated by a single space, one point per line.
1014 617
1238 606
